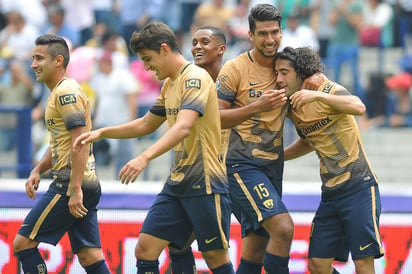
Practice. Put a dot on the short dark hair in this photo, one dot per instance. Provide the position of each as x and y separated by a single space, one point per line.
306 61
152 36
217 33
263 13
56 45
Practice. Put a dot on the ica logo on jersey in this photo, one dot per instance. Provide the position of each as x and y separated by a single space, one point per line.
67 99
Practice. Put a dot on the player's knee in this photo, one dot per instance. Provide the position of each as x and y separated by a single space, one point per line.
88 256
280 227
21 243
216 258
317 266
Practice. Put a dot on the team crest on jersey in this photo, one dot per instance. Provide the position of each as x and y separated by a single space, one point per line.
269 203
328 88
67 99
193 83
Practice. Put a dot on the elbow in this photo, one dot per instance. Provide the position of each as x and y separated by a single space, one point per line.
360 109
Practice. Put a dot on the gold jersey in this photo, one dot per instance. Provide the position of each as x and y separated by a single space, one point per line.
335 136
67 107
258 140
198 168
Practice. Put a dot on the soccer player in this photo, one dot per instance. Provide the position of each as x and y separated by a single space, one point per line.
254 111
347 219
195 196
70 203
208 47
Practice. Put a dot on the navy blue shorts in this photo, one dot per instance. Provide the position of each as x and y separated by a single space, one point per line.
174 219
50 218
350 224
254 199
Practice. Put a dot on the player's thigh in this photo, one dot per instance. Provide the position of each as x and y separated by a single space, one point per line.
361 212
48 220
255 195
210 216
328 238
167 220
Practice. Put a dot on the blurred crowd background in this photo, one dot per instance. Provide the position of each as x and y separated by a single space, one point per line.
98 33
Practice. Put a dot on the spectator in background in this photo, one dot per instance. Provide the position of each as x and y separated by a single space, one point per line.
150 87
214 13
107 11
344 45
288 6
115 90
16 39
320 23
397 105
400 86
134 16
297 34
377 24
58 26
33 11
79 15
239 29
113 43
16 91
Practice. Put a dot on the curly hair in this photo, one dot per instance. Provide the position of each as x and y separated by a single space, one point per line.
305 60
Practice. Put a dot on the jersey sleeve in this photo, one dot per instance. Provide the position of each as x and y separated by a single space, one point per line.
227 82
71 104
196 88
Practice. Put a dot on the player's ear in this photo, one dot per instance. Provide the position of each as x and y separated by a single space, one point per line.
222 49
59 60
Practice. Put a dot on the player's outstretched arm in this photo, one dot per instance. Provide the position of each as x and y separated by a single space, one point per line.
185 120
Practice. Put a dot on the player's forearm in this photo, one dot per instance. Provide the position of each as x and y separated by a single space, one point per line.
44 164
348 104
79 161
297 149
234 116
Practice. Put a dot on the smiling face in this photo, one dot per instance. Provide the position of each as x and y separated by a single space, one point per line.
43 65
206 49
155 61
286 77
266 38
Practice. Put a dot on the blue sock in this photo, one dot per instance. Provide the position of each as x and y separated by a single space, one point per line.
247 267
98 267
183 262
147 267
224 269
274 264
335 271
31 261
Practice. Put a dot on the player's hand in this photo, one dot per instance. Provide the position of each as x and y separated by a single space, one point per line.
133 168
32 184
302 97
85 138
314 81
76 206
271 99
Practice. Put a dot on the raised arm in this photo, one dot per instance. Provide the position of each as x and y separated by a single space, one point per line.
343 101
